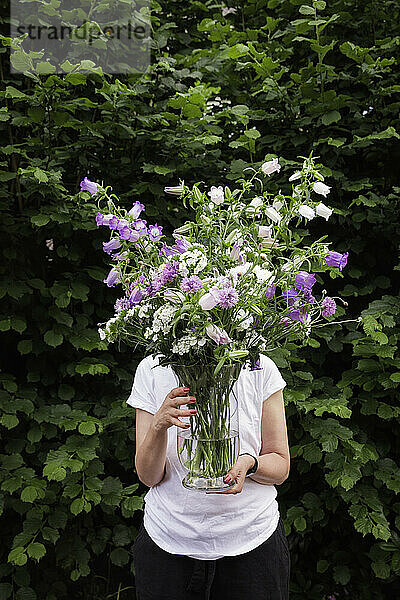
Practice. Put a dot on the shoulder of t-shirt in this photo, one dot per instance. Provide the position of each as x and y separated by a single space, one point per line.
267 362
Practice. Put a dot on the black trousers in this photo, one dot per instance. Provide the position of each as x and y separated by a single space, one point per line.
261 574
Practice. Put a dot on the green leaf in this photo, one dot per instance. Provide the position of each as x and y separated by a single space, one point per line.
24 346
29 494
36 550
17 556
87 428
237 51
77 506
52 338
9 421
12 92
330 117
306 10
119 556
40 220
300 524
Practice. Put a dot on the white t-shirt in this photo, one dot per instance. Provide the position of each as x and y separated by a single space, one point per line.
193 523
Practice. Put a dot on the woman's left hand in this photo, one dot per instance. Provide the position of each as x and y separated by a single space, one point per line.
237 473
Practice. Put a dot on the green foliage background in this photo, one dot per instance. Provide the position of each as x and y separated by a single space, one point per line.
276 78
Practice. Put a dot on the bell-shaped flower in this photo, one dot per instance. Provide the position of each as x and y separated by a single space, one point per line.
306 211
265 231
208 301
295 176
112 278
218 335
271 166
136 210
323 211
217 194
273 214
174 296
321 188
113 244
89 186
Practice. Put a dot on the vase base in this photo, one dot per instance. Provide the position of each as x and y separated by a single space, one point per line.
206 484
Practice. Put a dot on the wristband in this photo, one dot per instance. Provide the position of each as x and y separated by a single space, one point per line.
254 468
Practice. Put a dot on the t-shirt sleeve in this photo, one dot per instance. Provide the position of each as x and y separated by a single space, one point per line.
142 394
273 380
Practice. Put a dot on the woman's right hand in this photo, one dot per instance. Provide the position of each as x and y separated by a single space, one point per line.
168 413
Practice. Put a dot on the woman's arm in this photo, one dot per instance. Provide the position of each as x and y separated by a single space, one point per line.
274 459
151 449
152 435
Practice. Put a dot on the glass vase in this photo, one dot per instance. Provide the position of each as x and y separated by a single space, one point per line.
210 447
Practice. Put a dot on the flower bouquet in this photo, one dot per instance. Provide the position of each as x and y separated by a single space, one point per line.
231 283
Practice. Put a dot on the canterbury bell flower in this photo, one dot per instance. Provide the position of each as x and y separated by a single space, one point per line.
208 301
273 214
306 212
295 176
271 166
321 188
174 296
217 335
265 231
175 190
323 211
217 194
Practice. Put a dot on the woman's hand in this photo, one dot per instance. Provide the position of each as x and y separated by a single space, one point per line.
168 413
238 473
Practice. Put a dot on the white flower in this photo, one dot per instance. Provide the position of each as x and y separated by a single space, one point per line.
175 190
186 343
174 296
217 335
306 212
277 204
208 301
265 231
273 214
256 202
102 334
271 166
217 194
296 175
227 11
321 188
323 211
243 319
263 274
240 269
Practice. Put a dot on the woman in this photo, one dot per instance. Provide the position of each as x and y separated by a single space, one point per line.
193 544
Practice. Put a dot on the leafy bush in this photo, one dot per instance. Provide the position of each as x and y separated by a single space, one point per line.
222 93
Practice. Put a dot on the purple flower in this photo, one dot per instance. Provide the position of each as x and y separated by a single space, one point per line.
256 367
169 272
305 280
121 303
122 223
181 245
88 186
166 251
113 244
335 259
113 222
120 256
155 232
235 252
156 284
125 233
191 284
308 296
291 295
140 226
112 278
270 292
329 306
298 315
136 210
133 236
107 219
99 219
227 297
135 296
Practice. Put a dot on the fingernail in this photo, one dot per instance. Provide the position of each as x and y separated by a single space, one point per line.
186 389
193 412
227 478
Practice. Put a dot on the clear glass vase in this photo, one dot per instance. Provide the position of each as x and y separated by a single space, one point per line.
210 447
